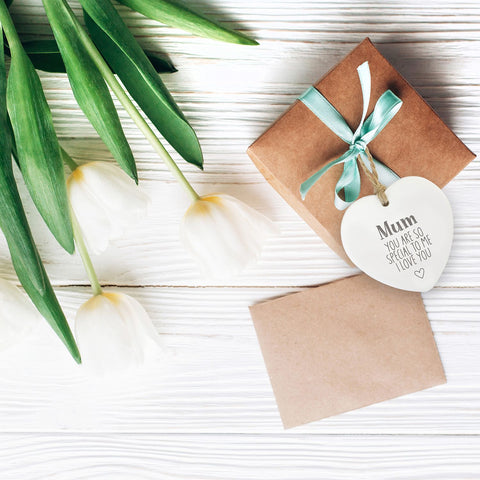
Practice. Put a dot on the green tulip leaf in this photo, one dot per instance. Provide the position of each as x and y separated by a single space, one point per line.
178 15
88 85
14 146
161 63
13 222
38 150
127 59
45 56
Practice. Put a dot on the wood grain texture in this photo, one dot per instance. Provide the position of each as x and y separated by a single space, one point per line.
252 457
210 376
204 409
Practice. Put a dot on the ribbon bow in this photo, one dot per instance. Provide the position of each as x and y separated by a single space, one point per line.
385 109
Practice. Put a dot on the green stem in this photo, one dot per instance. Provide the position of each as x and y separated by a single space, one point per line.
70 162
87 261
135 114
8 26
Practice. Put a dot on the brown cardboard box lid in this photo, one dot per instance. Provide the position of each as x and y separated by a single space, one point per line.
415 142
345 345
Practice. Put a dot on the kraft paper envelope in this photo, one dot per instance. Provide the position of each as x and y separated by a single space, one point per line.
345 345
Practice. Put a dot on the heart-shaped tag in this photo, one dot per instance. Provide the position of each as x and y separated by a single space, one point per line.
406 243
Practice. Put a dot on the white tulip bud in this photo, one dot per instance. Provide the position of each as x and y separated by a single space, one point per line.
17 315
106 202
224 235
114 333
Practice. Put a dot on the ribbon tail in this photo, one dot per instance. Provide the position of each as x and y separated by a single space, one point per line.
327 113
385 174
341 204
385 109
308 184
366 85
349 182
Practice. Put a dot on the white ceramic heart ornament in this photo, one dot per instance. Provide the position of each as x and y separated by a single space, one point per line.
406 243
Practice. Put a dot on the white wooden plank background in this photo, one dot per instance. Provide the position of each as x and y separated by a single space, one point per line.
205 410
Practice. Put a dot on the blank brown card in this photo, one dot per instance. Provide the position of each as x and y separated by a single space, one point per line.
345 345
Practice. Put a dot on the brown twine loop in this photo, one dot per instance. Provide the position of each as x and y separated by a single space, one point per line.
378 188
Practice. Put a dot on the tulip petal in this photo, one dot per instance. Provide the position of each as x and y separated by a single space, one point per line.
103 338
114 333
106 202
138 322
224 234
17 315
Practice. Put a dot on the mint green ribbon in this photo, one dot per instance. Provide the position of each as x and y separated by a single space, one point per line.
385 109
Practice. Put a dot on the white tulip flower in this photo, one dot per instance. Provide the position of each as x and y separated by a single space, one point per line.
106 201
223 234
17 315
114 333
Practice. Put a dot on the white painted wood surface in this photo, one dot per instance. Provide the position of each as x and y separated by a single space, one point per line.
205 410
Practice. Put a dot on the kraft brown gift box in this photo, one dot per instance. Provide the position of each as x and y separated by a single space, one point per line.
345 345
415 142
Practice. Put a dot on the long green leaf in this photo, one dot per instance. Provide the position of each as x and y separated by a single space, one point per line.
161 63
178 15
88 84
38 149
13 222
45 56
125 56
